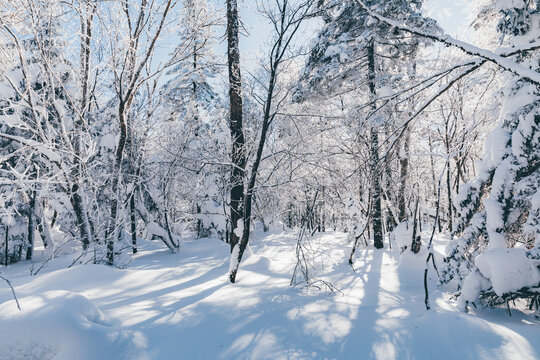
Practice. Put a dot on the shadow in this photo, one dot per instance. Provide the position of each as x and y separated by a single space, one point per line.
186 308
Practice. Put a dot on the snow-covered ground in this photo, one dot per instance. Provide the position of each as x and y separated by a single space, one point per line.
181 306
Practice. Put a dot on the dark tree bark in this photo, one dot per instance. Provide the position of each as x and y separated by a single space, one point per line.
286 28
449 194
238 155
6 249
31 226
81 216
374 161
133 222
416 239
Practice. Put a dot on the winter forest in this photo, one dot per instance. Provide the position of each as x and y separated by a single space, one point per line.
269 179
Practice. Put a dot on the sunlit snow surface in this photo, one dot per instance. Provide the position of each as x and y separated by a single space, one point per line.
181 306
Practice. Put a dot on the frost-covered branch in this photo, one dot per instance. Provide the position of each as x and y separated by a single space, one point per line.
505 63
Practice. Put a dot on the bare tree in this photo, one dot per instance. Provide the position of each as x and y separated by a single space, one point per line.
128 78
286 19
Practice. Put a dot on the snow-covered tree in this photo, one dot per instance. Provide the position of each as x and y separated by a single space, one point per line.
36 114
191 104
357 55
498 227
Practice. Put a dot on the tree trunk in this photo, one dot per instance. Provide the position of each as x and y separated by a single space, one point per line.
416 239
75 197
449 190
251 185
238 155
43 228
6 250
374 161
111 230
437 220
31 226
403 174
80 214
133 222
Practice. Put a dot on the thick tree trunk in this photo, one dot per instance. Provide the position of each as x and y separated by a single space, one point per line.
238 155
374 161
248 201
276 56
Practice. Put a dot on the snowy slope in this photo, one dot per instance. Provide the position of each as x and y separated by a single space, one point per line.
181 306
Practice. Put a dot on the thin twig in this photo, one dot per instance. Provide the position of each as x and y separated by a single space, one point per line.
12 291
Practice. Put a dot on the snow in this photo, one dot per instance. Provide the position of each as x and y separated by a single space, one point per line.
170 306
386 91
239 229
501 61
494 221
508 269
473 285
62 325
233 264
402 235
108 141
509 4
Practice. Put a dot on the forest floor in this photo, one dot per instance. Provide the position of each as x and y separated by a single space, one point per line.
181 306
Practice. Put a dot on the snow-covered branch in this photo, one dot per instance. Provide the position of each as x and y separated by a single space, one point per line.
505 63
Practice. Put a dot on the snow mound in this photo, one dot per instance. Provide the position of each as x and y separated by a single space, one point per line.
508 270
503 270
63 325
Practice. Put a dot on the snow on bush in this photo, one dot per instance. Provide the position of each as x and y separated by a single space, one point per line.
508 270
502 270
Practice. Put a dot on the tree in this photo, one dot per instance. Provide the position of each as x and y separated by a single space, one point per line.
352 40
286 20
37 110
190 101
238 152
499 208
144 24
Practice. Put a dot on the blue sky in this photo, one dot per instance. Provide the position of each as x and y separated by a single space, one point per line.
452 15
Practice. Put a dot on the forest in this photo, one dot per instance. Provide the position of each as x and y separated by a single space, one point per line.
269 179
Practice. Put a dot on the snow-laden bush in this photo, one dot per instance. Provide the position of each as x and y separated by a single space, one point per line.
502 275
499 211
